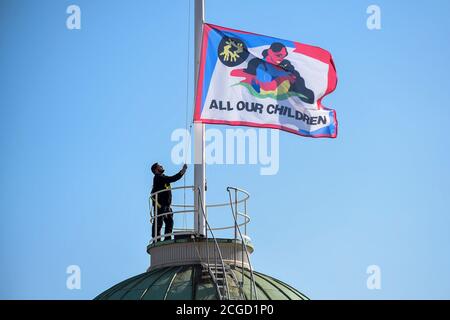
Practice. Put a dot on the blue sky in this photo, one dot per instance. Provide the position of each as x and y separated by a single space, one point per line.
84 113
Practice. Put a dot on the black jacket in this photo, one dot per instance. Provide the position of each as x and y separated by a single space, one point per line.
162 182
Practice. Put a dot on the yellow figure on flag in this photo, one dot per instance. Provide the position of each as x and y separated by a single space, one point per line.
228 54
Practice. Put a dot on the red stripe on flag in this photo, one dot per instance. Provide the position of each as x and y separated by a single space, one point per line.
201 72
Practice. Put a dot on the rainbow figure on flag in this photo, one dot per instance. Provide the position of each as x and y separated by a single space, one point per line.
274 76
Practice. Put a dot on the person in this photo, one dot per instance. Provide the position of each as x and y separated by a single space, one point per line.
163 200
274 73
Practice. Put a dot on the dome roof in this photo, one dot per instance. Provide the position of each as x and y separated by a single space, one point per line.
187 282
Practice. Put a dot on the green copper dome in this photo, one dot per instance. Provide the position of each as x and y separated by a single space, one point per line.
189 283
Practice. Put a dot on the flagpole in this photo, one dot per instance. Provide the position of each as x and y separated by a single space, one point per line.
199 132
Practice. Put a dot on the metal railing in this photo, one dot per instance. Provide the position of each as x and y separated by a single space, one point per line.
214 261
154 214
237 230
188 209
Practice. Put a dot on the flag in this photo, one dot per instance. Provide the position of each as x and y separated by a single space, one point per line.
247 79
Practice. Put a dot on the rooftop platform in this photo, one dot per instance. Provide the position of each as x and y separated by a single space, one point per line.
191 250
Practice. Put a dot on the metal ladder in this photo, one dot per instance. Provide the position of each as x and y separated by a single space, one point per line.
215 268
218 270
223 286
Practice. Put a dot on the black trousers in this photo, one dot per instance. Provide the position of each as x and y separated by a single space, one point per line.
168 222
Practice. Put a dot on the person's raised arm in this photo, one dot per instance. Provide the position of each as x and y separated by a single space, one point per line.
175 177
